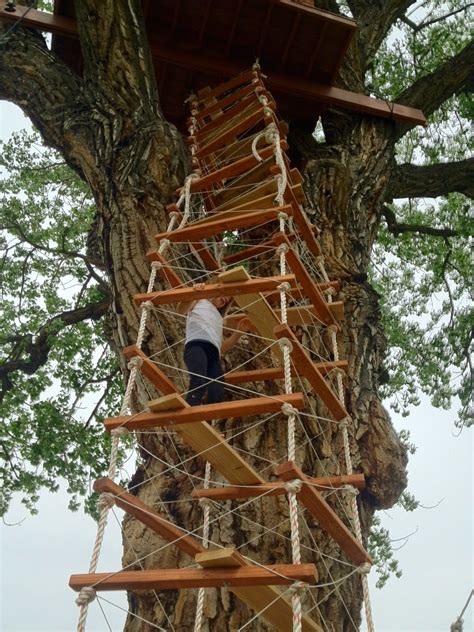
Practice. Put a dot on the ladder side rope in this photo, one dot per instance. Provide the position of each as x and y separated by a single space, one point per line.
364 568
88 593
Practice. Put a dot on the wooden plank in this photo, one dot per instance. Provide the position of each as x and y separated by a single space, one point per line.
156 376
211 290
254 176
327 518
223 222
310 288
234 169
305 368
302 222
222 88
227 101
234 492
250 102
177 579
255 307
267 187
296 316
222 410
275 608
201 251
168 402
145 514
265 375
165 270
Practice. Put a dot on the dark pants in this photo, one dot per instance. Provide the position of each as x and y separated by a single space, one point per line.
202 359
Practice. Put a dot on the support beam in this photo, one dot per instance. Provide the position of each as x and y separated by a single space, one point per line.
145 514
177 579
266 375
327 518
183 295
156 376
309 286
222 410
305 368
268 601
234 492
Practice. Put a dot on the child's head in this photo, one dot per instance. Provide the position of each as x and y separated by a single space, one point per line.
221 302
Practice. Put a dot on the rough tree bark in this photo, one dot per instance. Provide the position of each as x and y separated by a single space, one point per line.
109 127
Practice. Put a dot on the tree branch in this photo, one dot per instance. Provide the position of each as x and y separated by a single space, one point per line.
418 27
431 91
433 180
28 354
396 228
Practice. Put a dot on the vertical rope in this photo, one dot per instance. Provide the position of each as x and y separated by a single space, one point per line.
87 594
205 542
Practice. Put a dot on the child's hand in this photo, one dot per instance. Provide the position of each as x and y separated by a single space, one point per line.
199 286
244 325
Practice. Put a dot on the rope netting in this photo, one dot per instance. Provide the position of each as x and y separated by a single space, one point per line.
186 263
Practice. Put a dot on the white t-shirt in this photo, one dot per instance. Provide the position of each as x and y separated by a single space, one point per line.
204 322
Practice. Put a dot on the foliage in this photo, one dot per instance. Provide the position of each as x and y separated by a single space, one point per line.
51 415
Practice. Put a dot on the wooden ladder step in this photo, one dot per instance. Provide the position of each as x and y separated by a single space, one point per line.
221 222
305 368
234 492
232 114
222 88
177 579
146 515
227 101
222 410
301 220
211 290
275 607
311 289
296 316
265 375
327 518
232 170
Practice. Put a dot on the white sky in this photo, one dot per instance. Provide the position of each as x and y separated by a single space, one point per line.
39 554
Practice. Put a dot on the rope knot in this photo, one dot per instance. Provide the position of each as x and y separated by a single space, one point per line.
119 432
164 243
297 588
85 596
288 410
147 305
319 261
364 569
332 329
284 287
282 248
353 491
344 423
173 214
156 265
330 291
283 216
294 486
205 501
285 343
271 133
136 361
106 500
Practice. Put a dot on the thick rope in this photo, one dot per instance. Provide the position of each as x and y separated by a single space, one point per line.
87 594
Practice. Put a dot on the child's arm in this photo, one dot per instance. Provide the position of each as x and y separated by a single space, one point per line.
229 342
185 308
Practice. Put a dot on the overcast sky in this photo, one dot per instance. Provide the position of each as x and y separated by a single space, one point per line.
39 553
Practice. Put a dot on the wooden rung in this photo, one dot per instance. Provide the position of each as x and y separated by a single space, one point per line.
311 289
145 514
227 101
254 176
327 518
239 107
177 579
235 82
156 376
233 170
228 221
212 290
222 410
268 601
267 187
263 375
167 273
305 368
234 492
